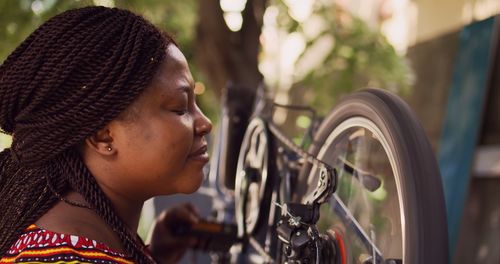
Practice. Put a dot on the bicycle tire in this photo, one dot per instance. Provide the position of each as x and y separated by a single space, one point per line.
419 187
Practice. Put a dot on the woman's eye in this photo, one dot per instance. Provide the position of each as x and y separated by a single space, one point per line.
181 111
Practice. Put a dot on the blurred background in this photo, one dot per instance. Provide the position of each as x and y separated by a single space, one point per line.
440 56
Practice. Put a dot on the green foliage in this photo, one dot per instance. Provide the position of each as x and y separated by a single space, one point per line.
360 57
19 18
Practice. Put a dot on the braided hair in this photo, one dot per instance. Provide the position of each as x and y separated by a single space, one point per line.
68 79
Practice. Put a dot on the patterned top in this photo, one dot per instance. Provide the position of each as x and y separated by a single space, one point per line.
37 245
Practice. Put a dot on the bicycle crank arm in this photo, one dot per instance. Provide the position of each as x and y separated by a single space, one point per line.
212 236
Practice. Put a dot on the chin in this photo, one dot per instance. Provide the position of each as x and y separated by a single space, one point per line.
193 185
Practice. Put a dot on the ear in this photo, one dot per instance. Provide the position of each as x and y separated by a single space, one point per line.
101 142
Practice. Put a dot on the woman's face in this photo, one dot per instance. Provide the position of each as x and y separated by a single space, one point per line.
160 145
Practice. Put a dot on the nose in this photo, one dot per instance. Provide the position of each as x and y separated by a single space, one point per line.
202 125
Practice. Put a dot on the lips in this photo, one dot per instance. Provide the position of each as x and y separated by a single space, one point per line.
200 154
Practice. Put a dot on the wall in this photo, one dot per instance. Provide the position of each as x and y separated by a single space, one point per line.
433 61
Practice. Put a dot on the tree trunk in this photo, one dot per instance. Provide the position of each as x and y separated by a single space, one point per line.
226 56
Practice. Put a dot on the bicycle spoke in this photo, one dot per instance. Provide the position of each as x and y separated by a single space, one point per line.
260 249
341 209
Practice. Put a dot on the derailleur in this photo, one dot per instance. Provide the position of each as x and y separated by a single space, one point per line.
296 229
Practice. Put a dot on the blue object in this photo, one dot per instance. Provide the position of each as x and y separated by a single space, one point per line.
463 118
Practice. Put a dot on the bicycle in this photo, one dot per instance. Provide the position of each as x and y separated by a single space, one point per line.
366 190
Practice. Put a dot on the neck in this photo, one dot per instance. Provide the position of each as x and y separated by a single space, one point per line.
127 207
129 211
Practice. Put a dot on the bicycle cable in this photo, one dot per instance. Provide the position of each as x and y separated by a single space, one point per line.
294 147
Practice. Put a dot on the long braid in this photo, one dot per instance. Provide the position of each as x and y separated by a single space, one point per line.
69 78
87 186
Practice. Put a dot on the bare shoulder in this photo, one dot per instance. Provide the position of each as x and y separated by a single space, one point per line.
68 219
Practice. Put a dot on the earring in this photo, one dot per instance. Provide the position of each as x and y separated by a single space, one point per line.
109 148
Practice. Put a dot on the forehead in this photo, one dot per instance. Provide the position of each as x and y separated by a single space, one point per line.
173 70
174 54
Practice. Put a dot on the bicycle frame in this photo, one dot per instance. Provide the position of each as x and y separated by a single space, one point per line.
223 174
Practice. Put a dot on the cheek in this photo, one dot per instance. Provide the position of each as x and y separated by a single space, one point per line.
174 143
177 151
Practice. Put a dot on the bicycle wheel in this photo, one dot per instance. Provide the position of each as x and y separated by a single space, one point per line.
389 201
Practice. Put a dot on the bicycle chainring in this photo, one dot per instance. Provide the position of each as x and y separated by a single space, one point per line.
252 184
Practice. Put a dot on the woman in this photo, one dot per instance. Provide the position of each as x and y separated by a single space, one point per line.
101 108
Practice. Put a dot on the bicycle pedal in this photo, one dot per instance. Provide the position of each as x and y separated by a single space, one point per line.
213 236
